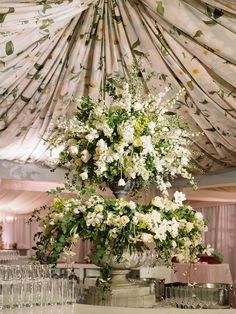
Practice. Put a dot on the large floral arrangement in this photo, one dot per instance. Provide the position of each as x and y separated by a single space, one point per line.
168 227
132 139
133 136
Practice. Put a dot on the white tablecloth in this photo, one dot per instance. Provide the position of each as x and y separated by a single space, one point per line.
92 309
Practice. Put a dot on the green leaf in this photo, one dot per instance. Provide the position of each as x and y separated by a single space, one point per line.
198 34
117 18
217 13
211 129
25 99
210 23
139 53
204 102
38 66
190 85
9 48
160 8
14 92
198 112
46 7
3 15
136 44
163 77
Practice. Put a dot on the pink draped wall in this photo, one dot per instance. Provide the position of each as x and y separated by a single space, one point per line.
222 232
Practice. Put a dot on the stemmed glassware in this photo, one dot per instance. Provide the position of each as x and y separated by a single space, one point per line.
33 285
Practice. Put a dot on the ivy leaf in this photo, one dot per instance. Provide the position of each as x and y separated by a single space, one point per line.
204 102
25 99
139 53
117 18
211 129
217 13
198 112
136 44
9 48
190 85
163 77
198 34
46 7
38 66
3 15
210 23
160 8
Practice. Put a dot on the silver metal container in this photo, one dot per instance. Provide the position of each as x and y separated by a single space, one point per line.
157 287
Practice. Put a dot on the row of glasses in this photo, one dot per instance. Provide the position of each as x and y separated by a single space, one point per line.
36 285
192 297
7 256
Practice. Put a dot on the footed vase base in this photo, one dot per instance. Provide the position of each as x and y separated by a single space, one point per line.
126 296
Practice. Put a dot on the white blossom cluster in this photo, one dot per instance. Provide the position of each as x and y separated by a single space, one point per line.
134 137
168 225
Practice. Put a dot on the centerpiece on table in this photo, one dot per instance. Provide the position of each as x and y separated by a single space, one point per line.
126 143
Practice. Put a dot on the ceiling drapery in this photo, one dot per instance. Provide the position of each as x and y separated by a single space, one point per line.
51 51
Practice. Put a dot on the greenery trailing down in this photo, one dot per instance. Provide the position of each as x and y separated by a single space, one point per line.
117 226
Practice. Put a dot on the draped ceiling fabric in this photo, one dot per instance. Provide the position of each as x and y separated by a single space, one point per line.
52 51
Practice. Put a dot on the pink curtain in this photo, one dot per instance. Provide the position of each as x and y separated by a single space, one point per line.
21 232
222 232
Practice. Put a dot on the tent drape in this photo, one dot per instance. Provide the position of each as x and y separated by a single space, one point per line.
53 51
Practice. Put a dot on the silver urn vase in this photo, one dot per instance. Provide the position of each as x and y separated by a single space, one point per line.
121 191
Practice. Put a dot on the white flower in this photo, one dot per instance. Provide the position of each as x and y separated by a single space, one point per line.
113 233
98 110
132 205
92 135
75 237
137 106
126 131
198 216
124 220
67 253
73 150
174 244
209 250
147 144
84 175
101 168
101 148
189 226
98 208
152 126
156 216
179 197
147 237
85 155
121 182
157 201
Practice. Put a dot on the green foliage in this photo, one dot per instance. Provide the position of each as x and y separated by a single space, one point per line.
217 255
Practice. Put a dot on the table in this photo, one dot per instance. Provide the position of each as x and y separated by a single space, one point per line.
92 309
202 273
